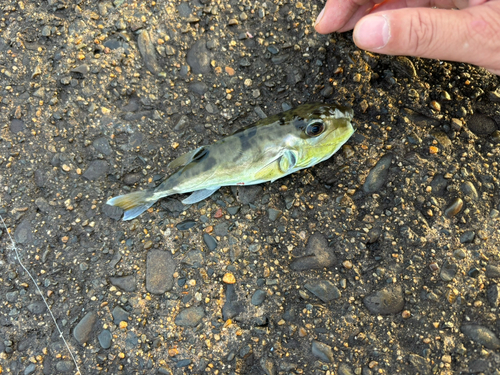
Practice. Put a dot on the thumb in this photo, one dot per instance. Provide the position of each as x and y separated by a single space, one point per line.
469 35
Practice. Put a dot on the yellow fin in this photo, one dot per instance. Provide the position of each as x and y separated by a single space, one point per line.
133 204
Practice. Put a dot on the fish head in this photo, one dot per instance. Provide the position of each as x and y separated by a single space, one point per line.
323 129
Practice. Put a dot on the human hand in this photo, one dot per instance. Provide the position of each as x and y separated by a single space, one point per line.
411 27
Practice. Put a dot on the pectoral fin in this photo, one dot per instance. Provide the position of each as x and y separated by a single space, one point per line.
188 157
199 195
288 161
279 167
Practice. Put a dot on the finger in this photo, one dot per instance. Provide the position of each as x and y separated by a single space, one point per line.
337 13
469 35
441 4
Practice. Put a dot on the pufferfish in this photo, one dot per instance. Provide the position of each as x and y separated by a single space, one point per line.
270 149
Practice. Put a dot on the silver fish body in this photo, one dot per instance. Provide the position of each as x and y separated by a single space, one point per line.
270 149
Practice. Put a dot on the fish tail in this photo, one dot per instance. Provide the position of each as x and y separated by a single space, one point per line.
133 204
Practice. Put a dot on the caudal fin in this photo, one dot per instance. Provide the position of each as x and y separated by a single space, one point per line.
133 204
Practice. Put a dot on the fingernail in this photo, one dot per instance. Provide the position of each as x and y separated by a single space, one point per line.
320 16
372 32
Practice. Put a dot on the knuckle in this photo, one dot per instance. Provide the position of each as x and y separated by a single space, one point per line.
421 34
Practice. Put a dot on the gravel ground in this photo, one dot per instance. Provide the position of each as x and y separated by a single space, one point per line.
382 260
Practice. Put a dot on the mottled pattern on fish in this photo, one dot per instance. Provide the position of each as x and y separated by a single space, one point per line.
269 149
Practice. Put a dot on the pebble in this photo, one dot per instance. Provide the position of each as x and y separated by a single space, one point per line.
258 297
378 175
81 69
492 271
199 88
345 369
148 52
84 328
183 363
448 271
246 194
17 126
126 283
493 294
190 317
494 96
268 366
112 212
198 58
193 258
119 315
421 364
96 169
232 306
37 308
229 278
102 145
435 106
317 254
481 124
481 335
454 208
65 366
322 351
209 241
30 369
388 300
274 214
186 224
323 289
469 190
442 138
105 338
23 233
160 268
467 237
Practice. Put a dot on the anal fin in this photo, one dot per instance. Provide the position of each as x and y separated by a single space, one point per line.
199 195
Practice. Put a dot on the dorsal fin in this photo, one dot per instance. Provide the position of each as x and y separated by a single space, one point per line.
188 157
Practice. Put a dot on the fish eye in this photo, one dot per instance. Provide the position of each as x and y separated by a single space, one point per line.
315 128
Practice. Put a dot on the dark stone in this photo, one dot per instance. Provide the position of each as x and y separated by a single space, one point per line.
148 52
378 175
209 241
105 338
102 146
322 351
96 169
198 58
37 308
231 306
160 268
126 283
190 317
323 289
258 297
481 124
119 315
17 126
317 254
84 328
113 212
481 335
199 88
388 300
186 224
23 233
246 194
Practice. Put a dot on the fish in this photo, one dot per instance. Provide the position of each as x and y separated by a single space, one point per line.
269 149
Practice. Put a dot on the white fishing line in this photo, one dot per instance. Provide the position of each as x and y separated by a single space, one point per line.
41 294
